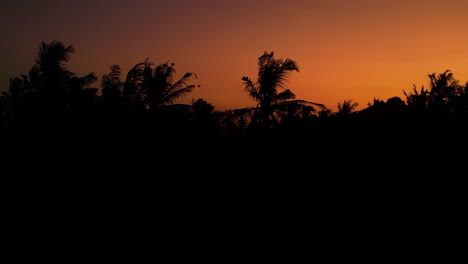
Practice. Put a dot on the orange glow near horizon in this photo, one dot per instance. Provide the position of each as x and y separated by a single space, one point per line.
345 49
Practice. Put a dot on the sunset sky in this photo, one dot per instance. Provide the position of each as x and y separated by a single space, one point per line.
345 49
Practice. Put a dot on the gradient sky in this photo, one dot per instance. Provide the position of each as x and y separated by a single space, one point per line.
345 49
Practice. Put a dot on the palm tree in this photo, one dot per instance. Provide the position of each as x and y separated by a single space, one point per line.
347 107
50 75
417 100
154 87
444 90
50 87
160 88
274 101
46 82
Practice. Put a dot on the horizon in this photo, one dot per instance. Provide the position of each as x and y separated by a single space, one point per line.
354 50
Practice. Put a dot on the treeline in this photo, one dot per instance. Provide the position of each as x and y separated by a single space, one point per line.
51 97
124 163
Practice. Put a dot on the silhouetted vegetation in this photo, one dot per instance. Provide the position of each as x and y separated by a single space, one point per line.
114 167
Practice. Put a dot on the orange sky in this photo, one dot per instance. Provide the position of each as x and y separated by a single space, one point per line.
346 49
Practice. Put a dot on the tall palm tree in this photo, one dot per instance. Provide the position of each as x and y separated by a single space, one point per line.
274 101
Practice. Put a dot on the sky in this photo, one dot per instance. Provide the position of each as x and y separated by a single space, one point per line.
357 50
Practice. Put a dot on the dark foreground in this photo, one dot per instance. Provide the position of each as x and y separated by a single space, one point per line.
89 200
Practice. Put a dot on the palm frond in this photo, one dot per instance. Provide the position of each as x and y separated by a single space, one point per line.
265 59
115 70
308 103
283 96
238 117
295 107
422 90
347 107
133 85
289 65
53 54
178 93
165 71
251 89
248 83
274 74
134 75
244 112
183 81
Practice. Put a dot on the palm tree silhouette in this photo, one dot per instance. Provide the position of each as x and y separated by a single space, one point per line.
347 107
50 87
417 100
154 87
160 88
444 90
444 94
274 101
50 75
